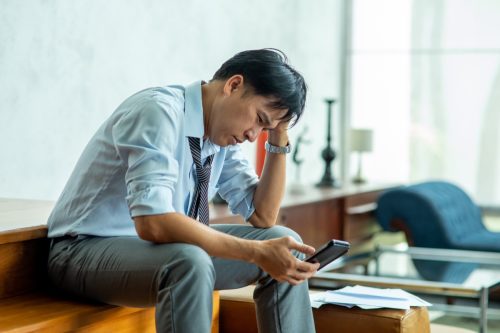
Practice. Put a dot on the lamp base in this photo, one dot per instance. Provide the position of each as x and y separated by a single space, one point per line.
358 180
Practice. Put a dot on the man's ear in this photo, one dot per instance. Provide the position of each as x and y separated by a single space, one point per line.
234 83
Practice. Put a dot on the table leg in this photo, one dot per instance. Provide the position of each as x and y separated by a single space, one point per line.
483 305
377 266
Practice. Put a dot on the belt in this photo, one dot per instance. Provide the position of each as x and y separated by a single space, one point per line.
56 240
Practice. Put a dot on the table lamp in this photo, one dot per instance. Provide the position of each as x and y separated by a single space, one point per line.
361 142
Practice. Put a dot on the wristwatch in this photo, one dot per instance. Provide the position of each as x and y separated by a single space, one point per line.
277 149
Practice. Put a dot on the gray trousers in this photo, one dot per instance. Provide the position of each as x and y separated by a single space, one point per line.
178 279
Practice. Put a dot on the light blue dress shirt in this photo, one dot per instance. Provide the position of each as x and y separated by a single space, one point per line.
139 163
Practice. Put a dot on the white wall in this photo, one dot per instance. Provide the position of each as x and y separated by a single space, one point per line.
66 65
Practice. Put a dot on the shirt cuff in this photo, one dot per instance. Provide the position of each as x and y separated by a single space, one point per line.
150 200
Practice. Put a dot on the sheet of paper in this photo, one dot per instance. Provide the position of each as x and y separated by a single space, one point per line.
368 298
317 299
391 303
414 300
370 292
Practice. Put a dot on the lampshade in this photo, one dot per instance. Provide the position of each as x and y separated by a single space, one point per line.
361 139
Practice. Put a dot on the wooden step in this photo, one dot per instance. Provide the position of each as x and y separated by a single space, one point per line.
40 312
45 313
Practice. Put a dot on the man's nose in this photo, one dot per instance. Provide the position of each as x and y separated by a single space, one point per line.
252 134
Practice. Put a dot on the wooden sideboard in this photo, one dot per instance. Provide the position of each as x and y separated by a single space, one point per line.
320 214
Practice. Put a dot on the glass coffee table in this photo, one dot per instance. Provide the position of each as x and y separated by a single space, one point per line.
448 275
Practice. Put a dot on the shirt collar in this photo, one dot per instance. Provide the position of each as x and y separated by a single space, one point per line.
193 118
193 108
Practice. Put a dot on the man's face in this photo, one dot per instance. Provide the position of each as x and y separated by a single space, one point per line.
237 117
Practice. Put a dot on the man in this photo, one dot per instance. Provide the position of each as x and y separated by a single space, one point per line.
124 229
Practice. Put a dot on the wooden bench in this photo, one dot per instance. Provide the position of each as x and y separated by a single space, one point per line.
29 304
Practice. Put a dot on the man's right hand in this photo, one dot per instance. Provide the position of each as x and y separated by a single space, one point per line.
274 257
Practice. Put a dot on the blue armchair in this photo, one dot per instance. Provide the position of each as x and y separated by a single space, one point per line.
437 214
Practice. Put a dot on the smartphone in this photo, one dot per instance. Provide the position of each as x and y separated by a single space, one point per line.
329 252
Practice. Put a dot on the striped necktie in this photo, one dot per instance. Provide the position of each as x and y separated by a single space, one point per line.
199 205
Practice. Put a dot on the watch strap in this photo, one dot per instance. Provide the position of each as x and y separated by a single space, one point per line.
277 149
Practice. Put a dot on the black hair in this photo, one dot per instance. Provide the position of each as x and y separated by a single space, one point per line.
268 74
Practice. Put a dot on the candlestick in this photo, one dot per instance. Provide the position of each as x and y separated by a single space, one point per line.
328 154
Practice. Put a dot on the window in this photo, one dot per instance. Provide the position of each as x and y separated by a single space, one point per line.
426 79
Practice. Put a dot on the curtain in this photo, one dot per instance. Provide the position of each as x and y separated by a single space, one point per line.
455 95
